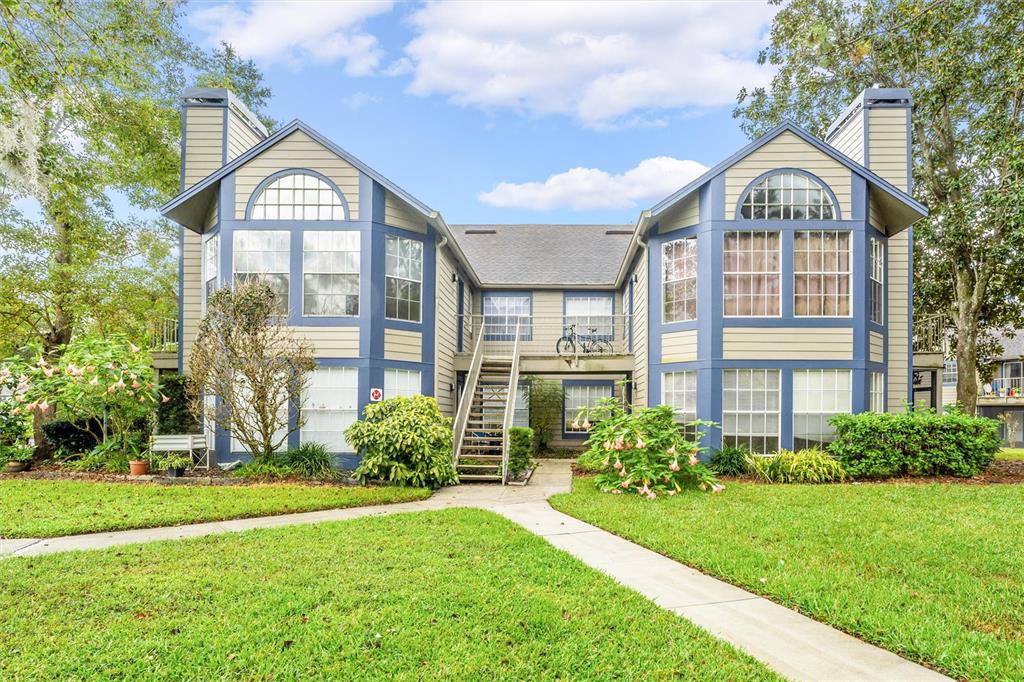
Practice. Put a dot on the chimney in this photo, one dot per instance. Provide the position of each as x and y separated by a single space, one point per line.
874 131
216 127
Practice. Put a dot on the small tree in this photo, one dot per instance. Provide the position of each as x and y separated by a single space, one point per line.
545 400
248 359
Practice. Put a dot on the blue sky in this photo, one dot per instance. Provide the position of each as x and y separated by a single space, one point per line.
530 112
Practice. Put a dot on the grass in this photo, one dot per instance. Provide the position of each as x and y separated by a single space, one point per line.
453 594
40 508
932 572
1011 453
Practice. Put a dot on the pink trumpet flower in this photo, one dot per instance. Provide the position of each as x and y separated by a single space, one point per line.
639 443
136 384
673 465
671 450
16 411
618 464
622 473
575 423
586 423
165 398
31 407
693 460
95 381
615 491
624 484
112 388
133 347
607 445
717 488
142 398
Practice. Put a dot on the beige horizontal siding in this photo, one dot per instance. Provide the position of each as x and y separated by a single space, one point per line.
679 346
887 145
897 317
787 150
204 140
787 343
850 138
400 344
240 136
640 332
685 214
192 289
398 214
875 213
446 331
876 347
331 342
298 150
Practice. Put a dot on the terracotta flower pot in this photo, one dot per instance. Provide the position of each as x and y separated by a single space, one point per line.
13 467
139 467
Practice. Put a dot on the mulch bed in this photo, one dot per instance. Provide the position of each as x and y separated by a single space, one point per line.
215 476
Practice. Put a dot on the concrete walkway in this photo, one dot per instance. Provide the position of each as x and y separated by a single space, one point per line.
791 644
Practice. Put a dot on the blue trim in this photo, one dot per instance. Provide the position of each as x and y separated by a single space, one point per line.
837 209
524 335
181 148
224 138
576 435
181 299
460 311
582 293
296 171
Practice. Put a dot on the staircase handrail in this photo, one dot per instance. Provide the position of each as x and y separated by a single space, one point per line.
462 416
510 405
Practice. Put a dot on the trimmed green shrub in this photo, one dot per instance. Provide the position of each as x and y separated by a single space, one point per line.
730 461
173 413
404 440
520 449
311 460
810 465
265 467
72 438
881 445
107 457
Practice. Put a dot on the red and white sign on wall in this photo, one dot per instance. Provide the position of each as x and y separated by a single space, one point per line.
376 395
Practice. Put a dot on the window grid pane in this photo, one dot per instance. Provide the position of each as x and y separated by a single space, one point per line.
679 391
787 196
589 313
750 409
679 269
752 274
330 273
501 313
402 382
263 255
331 406
821 274
298 196
211 264
579 397
817 395
876 292
403 281
949 372
877 392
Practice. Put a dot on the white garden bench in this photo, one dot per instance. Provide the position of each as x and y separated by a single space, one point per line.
192 443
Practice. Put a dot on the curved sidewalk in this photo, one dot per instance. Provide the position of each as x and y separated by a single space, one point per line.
791 644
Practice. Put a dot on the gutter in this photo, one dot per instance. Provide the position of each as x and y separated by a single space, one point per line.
449 239
639 240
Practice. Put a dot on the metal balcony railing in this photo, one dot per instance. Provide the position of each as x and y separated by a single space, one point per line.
1004 387
163 335
929 334
563 335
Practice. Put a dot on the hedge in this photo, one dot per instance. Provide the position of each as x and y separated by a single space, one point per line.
881 445
175 415
520 447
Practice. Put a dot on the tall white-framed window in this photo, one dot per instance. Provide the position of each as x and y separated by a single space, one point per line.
679 391
580 396
821 273
331 405
787 196
750 409
211 265
679 279
817 395
949 372
264 255
590 312
402 382
752 272
877 392
502 312
298 196
330 273
876 285
403 281
522 407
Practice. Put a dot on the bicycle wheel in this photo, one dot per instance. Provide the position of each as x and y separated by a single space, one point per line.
601 346
565 346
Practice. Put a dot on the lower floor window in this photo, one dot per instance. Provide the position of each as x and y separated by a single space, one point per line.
522 413
817 395
402 382
332 405
750 409
679 391
877 392
581 398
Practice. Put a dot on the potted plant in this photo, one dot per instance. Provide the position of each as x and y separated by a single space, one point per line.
15 458
175 464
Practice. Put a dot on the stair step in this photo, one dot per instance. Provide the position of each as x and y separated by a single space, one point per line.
482 457
479 477
492 465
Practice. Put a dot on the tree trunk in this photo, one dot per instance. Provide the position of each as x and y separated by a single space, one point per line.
967 363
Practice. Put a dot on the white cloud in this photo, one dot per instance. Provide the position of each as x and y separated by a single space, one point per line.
298 30
599 62
359 99
584 189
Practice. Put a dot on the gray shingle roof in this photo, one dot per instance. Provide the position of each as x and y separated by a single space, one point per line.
1013 348
583 255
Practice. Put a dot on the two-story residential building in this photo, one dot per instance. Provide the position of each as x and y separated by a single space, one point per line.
1002 396
767 295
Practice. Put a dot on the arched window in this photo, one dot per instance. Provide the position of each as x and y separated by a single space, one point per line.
298 196
787 195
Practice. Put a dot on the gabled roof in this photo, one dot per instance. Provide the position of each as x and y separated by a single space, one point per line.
586 256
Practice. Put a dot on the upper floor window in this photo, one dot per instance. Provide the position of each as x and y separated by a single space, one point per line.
821 273
591 313
949 372
753 274
211 254
298 196
330 273
503 312
679 268
263 254
787 196
403 281
876 292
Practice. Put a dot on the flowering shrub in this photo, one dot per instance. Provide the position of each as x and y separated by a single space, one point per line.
643 451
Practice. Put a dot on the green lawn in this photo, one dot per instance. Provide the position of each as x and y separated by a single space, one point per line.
453 594
932 572
39 508
1011 453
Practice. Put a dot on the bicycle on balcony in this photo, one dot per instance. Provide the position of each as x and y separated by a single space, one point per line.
572 343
